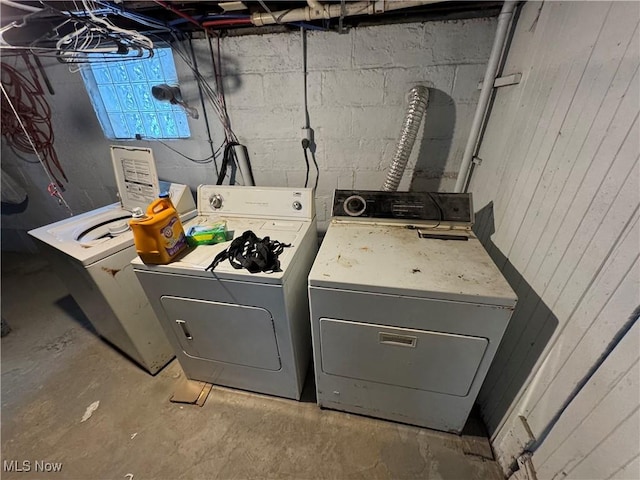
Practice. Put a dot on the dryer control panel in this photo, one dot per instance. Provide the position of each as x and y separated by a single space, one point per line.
267 202
456 208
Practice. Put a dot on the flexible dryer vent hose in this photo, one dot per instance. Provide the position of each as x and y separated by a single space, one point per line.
418 99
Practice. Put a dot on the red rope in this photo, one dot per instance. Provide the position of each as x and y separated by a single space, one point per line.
28 99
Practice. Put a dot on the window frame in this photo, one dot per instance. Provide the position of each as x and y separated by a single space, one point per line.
164 121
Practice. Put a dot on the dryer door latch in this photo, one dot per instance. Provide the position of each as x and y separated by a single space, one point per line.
395 339
185 330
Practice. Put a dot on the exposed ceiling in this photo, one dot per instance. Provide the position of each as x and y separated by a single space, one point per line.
223 17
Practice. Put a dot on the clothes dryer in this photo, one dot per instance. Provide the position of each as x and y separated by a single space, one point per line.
407 308
231 327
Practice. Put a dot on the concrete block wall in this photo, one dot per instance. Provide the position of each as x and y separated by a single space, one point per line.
357 86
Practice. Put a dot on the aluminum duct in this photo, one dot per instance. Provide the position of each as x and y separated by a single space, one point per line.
418 99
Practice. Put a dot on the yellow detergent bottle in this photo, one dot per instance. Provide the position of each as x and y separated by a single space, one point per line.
158 234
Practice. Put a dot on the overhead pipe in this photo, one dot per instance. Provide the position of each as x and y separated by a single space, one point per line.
504 19
315 11
320 11
21 6
226 23
314 4
418 100
244 165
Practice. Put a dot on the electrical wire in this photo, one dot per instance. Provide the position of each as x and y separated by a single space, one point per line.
215 96
228 158
208 159
305 103
26 125
315 163
306 142
137 17
226 23
212 94
309 26
439 208
127 35
220 83
178 12
93 34
204 108
191 62
306 161
229 16
264 5
52 188
306 146
90 34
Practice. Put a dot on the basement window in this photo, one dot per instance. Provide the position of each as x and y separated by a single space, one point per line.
120 92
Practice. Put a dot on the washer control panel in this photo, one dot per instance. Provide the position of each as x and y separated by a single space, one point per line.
430 206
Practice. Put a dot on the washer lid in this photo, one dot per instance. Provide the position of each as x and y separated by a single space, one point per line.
395 260
90 236
136 176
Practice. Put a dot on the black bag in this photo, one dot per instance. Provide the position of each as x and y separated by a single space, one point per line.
253 253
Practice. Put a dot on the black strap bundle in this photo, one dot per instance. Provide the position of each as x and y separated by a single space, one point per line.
253 253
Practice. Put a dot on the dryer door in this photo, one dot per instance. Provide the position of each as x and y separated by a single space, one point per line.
224 332
419 359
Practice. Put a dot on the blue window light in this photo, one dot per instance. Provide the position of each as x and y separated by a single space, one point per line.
121 96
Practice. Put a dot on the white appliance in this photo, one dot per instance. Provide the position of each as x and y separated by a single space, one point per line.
407 308
92 253
231 327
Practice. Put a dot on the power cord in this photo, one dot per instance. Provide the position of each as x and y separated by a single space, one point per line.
306 146
315 164
439 208
26 119
229 157
208 159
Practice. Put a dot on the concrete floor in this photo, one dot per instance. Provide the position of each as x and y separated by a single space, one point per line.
54 367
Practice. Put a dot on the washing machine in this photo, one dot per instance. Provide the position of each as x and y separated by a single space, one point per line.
231 327
92 253
407 308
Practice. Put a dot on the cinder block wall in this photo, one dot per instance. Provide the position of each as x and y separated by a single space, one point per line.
357 86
